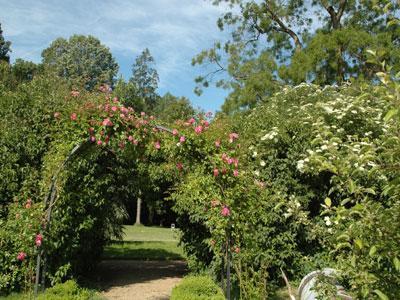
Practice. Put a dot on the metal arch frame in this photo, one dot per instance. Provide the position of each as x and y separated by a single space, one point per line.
49 202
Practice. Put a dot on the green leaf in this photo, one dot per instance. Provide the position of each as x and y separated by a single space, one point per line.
381 295
396 263
390 114
372 52
359 243
372 251
344 201
352 186
370 191
328 201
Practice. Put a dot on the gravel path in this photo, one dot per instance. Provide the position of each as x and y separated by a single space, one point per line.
139 280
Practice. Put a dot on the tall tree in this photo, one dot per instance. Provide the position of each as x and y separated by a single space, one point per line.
322 41
170 108
145 77
81 59
4 48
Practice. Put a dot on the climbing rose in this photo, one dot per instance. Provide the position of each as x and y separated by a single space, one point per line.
99 142
38 240
114 108
235 173
107 122
174 132
73 117
28 203
92 139
198 129
233 136
21 256
205 123
157 145
216 172
130 138
182 139
225 211
191 121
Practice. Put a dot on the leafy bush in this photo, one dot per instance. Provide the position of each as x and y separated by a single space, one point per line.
197 288
68 290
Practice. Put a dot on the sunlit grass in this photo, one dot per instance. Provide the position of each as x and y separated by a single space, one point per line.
146 243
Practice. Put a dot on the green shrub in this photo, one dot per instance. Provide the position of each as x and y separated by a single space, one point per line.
197 288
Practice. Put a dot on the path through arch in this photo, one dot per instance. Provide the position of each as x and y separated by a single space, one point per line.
139 280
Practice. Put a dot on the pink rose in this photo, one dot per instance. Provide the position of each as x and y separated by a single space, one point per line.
92 139
21 256
99 142
215 172
73 117
38 240
198 129
115 99
107 122
142 113
157 145
235 173
179 165
57 115
237 250
182 139
191 121
175 132
114 108
217 143
225 211
233 136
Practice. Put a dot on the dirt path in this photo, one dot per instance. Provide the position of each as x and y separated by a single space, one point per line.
139 280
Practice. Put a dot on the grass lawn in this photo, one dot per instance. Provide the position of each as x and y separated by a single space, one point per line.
146 243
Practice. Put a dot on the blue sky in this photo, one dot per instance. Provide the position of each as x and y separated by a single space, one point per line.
173 30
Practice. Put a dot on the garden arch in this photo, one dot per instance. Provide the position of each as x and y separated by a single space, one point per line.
112 126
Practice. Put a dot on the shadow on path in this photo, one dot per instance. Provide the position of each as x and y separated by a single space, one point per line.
133 279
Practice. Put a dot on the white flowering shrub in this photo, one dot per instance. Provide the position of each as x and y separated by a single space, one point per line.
323 152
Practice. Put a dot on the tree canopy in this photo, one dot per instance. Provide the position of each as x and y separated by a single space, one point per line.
323 42
83 60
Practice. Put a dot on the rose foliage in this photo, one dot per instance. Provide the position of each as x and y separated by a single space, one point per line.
308 179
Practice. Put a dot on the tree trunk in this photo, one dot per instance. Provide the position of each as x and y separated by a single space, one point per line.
138 208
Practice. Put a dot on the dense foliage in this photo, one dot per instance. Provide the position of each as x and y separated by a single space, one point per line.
81 59
307 179
197 288
272 43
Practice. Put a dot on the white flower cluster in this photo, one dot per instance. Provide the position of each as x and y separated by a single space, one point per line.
271 135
